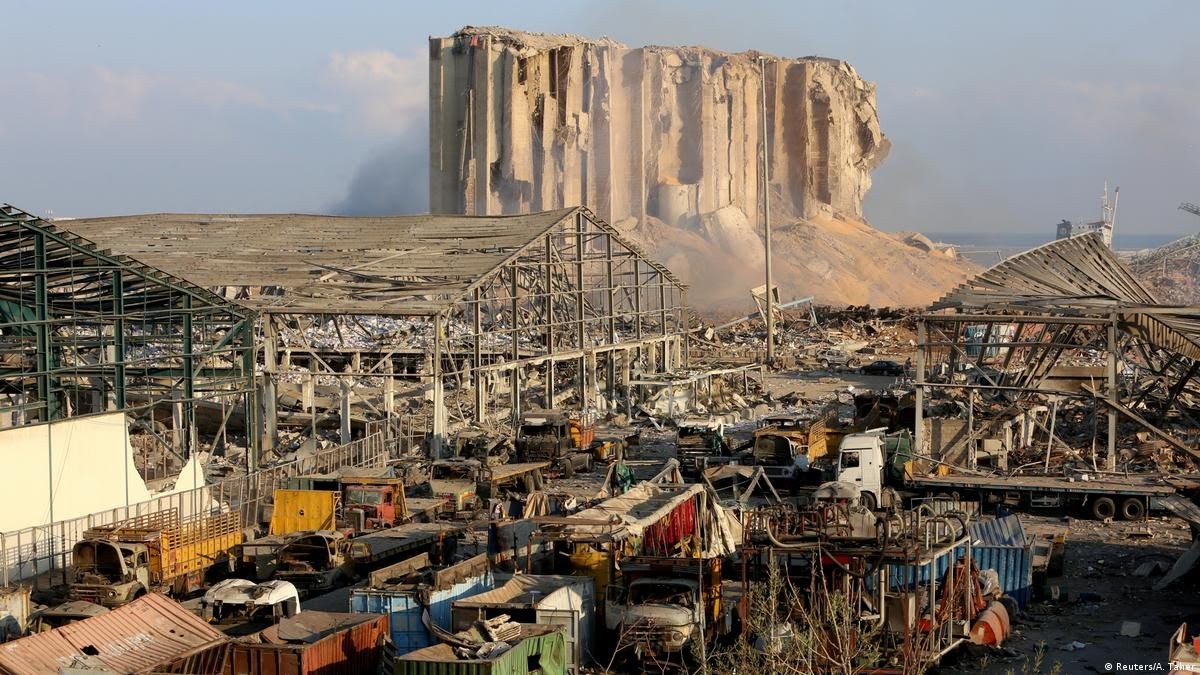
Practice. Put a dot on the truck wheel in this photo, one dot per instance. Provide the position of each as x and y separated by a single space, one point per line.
868 500
1133 509
825 364
1103 507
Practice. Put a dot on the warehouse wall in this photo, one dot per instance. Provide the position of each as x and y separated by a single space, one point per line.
71 469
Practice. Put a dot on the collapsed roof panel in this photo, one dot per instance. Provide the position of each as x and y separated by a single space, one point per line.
1079 272
1079 275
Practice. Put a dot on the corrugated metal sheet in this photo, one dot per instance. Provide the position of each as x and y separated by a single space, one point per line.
546 652
1006 531
1000 544
403 607
353 645
152 633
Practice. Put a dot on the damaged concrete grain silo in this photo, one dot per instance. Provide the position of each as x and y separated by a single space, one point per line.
665 143
669 132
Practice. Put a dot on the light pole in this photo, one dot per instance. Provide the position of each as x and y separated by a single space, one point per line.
766 190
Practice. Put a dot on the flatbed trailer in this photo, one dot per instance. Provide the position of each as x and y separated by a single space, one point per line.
371 551
1129 499
320 560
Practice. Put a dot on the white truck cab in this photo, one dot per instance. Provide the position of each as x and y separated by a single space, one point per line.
861 462
659 615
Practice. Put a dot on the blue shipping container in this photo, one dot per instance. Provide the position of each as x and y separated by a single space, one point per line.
404 607
998 544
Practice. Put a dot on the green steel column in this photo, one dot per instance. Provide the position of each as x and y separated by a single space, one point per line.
45 360
119 338
251 407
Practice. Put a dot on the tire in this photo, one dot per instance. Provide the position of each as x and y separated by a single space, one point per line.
1104 507
1010 605
869 500
825 364
1133 509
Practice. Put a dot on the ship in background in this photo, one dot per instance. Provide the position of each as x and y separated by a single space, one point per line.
1108 219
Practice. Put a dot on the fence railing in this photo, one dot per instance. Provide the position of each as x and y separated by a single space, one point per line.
405 434
45 550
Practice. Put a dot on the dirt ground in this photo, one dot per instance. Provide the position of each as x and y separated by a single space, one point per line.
1101 592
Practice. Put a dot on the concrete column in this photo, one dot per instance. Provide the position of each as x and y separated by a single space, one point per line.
588 380
477 381
439 401
389 388
344 409
309 402
515 394
177 427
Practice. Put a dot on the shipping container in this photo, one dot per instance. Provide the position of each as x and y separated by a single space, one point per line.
540 649
312 642
390 592
555 600
998 544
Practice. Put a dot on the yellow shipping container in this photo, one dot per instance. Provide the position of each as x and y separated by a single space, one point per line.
303 510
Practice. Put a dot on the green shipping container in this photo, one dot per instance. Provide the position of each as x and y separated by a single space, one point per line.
542 650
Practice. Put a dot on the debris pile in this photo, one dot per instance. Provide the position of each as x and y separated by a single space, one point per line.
1171 271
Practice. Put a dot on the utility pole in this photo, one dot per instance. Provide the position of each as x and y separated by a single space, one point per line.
766 190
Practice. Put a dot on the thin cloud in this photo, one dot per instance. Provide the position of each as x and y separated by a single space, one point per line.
1147 108
118 95
390 92
105 95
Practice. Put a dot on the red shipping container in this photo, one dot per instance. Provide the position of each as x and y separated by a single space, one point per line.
312 642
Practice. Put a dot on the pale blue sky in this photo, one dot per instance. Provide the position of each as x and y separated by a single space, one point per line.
1003 115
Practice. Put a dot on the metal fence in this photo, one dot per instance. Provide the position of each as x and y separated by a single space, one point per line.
45 551
404 434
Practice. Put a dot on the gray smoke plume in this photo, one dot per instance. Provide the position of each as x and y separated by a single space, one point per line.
392 180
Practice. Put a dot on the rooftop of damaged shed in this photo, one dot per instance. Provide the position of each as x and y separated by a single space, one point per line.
1068 321
411 265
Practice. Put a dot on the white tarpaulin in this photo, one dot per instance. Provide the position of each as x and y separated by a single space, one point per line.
632 512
